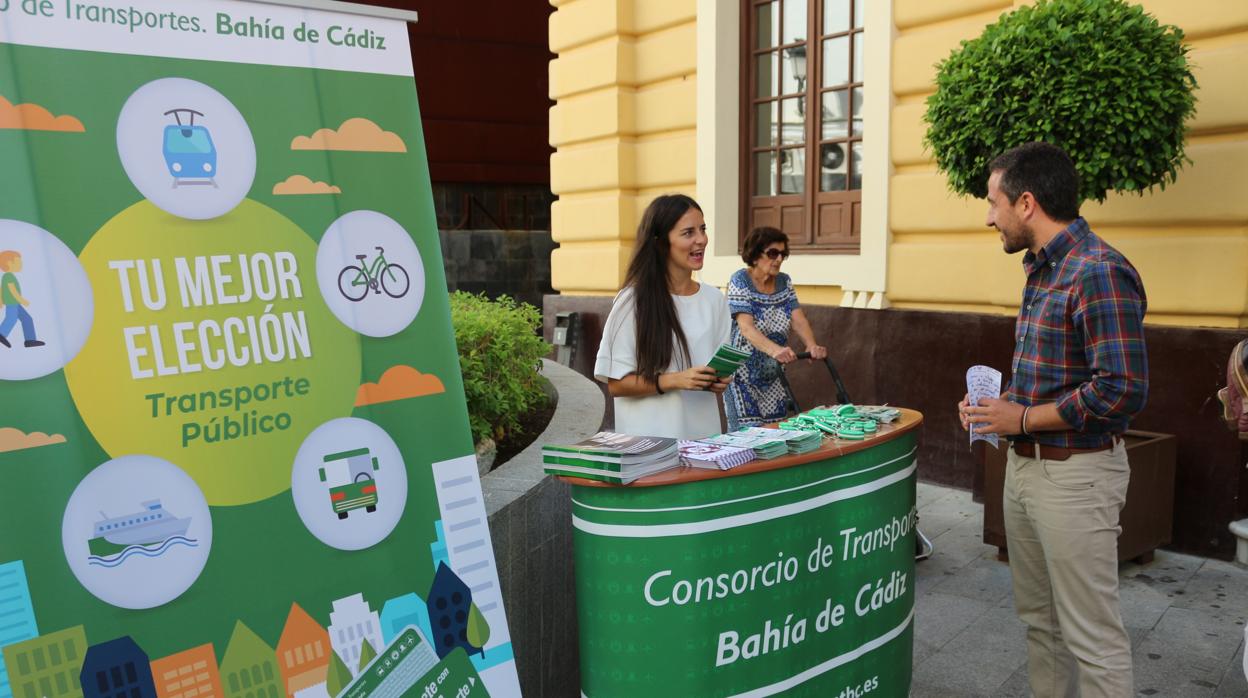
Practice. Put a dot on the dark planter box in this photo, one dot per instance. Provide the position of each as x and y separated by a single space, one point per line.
1146 519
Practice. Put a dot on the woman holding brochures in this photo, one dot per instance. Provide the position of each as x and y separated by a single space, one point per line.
663 329
764 307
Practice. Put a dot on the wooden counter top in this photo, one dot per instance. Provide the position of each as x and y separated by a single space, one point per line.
831 448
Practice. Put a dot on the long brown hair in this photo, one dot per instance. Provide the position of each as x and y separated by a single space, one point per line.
653 307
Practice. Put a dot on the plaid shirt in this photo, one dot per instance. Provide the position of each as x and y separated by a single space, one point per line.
1081 338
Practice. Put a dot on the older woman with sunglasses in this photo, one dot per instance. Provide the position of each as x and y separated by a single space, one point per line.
764 306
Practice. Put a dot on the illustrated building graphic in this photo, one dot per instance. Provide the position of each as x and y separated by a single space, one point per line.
302 652
458 487
17 614
47 665
449 603
249 668
117 669
402 611
351 622
188 674
437 549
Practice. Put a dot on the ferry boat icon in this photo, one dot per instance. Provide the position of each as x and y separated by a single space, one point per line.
153 524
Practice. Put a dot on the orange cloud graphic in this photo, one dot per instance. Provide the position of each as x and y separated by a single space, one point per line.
298 184
15 439
357 134
32 117
399 383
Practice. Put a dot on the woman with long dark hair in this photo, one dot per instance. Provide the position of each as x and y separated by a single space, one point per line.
663 328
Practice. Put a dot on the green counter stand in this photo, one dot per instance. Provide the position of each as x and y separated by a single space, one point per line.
790 576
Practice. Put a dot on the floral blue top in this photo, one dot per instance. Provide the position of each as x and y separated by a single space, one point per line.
756 395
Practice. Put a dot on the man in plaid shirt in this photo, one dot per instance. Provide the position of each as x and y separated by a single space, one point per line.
1080 373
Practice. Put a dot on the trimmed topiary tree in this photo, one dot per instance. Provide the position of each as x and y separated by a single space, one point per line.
1100 78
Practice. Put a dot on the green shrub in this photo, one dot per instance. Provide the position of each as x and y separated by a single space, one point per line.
499 354
1100 78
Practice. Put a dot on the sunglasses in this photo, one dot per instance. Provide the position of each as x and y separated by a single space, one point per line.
773 253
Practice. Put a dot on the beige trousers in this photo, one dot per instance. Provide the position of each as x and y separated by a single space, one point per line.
1061 526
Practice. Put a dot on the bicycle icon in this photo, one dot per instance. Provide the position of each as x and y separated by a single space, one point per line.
355 281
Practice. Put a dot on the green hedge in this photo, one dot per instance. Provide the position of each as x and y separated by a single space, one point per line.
1100 78
499 355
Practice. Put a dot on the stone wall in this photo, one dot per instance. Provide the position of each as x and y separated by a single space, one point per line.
495 238
531 526
477 206
496 262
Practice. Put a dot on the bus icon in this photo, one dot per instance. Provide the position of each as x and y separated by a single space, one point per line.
352 486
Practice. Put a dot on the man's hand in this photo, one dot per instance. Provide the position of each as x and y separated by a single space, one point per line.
993 416
966 402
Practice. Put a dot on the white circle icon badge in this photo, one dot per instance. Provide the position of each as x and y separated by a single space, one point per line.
349 483
137 532
370 273
186 148
46 303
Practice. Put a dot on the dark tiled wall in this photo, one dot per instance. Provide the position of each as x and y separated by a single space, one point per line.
495 262
496 238
466 206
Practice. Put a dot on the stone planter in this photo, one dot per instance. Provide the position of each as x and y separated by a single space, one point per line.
531 526
1240 529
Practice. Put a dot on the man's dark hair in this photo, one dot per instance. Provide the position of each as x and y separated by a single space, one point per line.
1046 171
760 239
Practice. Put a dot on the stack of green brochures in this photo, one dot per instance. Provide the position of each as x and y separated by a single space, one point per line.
727 360
612 457
764 447
797 438
810 441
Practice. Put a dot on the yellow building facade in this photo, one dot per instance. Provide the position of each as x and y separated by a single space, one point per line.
647 101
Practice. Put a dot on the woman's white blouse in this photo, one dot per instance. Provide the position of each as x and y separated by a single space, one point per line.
682 414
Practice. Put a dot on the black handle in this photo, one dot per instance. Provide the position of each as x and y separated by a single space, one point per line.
842 395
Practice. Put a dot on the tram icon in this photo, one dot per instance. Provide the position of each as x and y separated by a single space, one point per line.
189 152
352 486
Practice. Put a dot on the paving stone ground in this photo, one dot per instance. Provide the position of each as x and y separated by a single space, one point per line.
1185 615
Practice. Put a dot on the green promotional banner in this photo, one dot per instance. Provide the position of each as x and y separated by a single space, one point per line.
796 581
234 449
